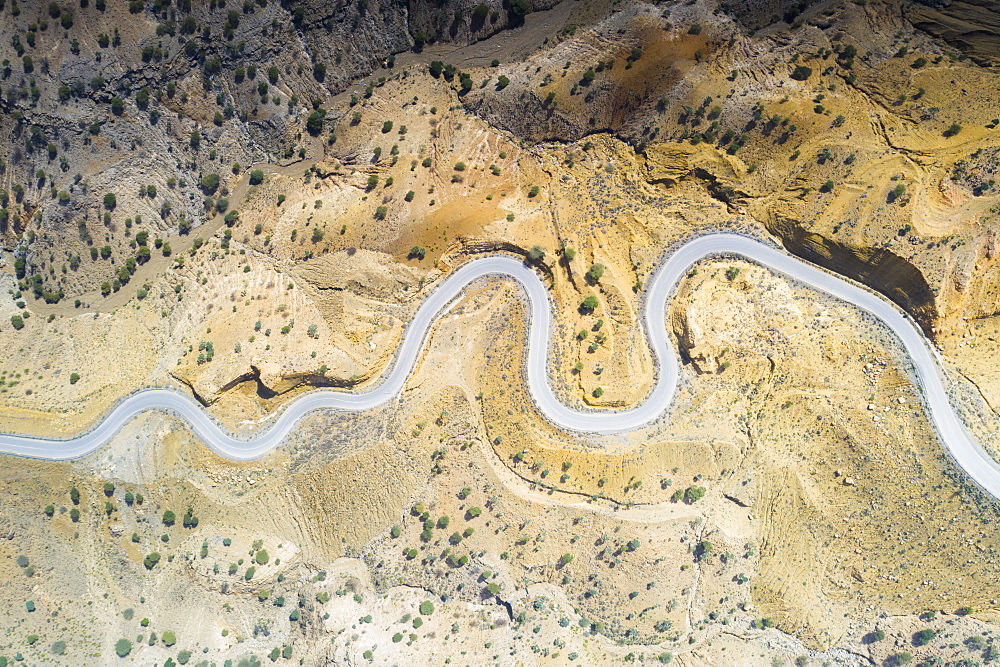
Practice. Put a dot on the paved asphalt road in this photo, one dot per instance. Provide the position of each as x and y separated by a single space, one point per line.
965 450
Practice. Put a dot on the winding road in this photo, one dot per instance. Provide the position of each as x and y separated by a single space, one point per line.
969 455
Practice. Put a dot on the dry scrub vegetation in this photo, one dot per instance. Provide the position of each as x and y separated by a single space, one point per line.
246 220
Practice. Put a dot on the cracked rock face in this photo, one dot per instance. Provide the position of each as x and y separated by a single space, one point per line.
339 327
718 320
363 272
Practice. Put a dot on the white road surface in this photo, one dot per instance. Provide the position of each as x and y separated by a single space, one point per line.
969 455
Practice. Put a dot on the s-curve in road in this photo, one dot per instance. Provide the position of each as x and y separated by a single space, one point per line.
965 450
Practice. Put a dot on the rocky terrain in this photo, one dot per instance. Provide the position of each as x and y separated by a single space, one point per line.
249 200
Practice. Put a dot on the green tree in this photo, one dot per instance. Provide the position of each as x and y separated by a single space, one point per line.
924 637
169 638
151 560
693 494
589 304
426 607
110 201
314 124
262 557
536 254
17 322
256 177
123 647
519 9
169 518
210 183
801 73
595 273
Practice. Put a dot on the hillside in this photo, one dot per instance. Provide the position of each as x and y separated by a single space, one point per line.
247 201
